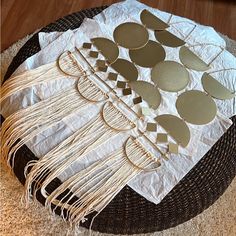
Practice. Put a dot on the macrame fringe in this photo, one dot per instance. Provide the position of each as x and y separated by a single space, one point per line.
30 78
31 121
95 185
81 142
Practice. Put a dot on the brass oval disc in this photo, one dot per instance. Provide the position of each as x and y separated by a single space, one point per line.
191 60
168 39
215 88
196 107
151 21
115 119
170 76
149 55
131 35
175 127
148 92
108 48
87 89
126 69
68 64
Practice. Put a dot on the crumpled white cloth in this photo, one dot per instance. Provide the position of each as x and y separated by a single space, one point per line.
154 186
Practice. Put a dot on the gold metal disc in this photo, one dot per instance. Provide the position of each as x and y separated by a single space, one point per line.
126 69
170 76
149 55
151 21
148 92
175 127
196 107
108 48
215 88
168 39
131 35
191 60
68 64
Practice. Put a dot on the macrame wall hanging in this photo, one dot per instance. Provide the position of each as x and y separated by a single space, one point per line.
95 186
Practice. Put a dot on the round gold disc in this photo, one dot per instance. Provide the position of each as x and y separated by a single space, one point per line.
215 88
175 127
168 39
191 60
151 21
149 55
148 92
170 76
196 107
131 35
108 48
126 69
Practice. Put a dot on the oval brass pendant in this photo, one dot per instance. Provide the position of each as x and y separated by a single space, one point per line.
148 92
126 69
115 119
151 21
215 88
175 127
107 47
149 55
131 35
196 107
191 60
168 39
68 64
170 76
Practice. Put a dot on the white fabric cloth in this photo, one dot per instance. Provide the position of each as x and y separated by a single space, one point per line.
154 186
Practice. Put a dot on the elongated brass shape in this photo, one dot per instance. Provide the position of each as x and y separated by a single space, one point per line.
131 35
191 60
148 92
168 39
170 76
115 119
149 55
107 48
175 127
126 69
215 88
68 65
151 21
196 107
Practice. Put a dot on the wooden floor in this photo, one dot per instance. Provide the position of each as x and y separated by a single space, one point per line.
21 17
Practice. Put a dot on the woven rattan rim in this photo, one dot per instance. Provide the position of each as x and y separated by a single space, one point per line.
129 213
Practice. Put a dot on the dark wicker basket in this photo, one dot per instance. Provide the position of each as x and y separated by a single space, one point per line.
128 212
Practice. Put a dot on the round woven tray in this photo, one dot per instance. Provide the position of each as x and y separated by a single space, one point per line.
129 213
